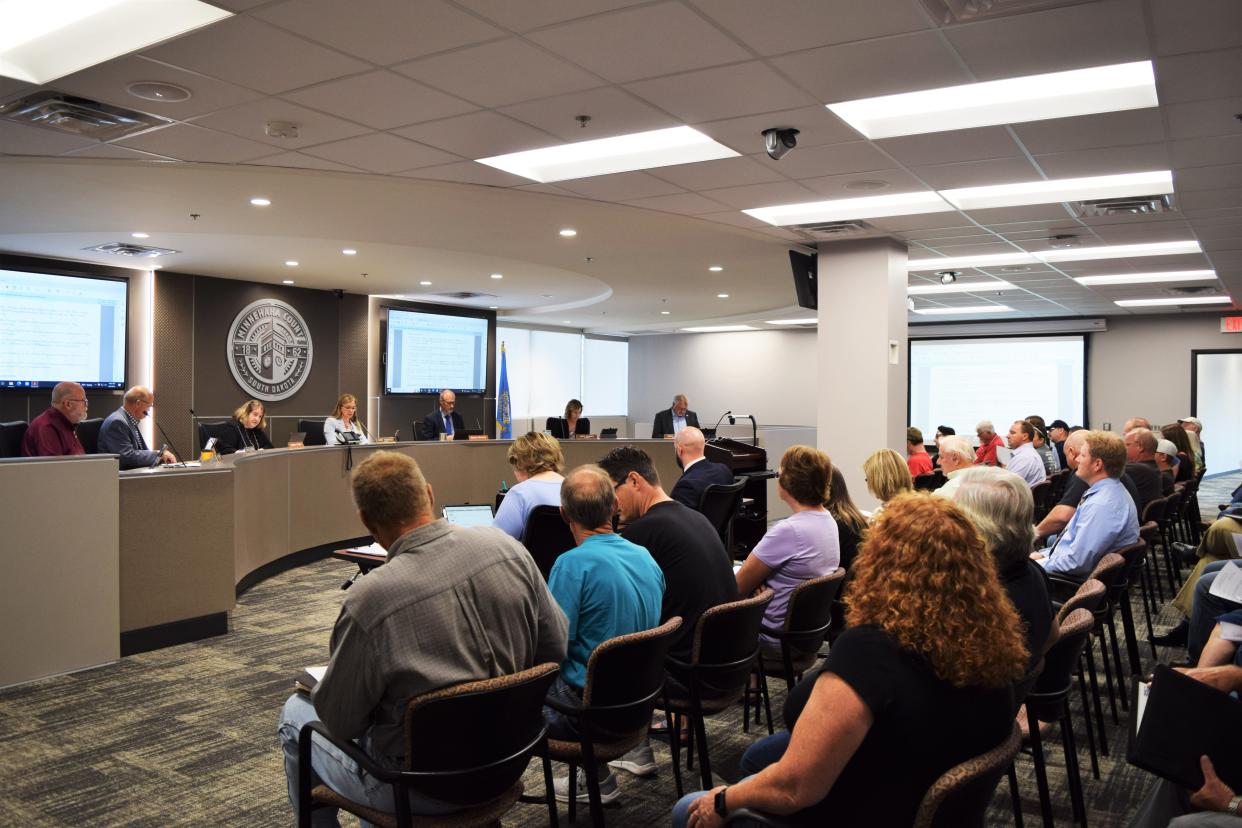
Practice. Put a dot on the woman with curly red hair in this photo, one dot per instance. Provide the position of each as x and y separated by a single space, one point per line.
917 684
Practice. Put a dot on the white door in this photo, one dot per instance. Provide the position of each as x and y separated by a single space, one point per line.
1218 403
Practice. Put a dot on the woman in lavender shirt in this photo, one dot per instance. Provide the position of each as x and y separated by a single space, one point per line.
804 545
537 464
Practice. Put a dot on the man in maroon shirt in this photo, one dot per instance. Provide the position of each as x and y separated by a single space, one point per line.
51 434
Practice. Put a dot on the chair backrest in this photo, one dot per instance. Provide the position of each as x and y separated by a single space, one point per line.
960 797
719 503
1109 569
1150 533
208 430
1059 481
313 429
546 537
1173 506
11 435
624 677
726 641
1041 492
469 743
929 482
809 613
1090 596
1132 556
1054 683
88 434
1154 510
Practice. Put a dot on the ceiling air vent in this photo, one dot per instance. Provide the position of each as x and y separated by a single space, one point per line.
466 294
966 11
1133 205
833 230
133 251
78 116
1192 290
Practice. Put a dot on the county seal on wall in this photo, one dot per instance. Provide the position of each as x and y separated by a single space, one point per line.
269 349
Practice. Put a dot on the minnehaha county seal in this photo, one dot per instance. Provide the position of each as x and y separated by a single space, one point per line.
269 349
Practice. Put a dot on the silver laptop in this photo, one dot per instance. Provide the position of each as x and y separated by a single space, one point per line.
468 515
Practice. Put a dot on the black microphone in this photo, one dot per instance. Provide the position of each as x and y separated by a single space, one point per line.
167 439
721 420
362 426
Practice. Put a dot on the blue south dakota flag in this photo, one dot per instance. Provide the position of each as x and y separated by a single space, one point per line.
504 409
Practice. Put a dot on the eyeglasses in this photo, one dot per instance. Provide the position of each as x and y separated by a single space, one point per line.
84 402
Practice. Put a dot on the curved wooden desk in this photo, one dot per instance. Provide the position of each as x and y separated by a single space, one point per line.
192 539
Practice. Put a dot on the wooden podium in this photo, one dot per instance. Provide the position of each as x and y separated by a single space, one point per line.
750 462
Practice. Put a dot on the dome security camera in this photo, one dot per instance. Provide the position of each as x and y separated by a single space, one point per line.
778 141
948 277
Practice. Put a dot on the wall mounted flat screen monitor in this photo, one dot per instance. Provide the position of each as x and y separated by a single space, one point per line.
61 328
805 270
430 352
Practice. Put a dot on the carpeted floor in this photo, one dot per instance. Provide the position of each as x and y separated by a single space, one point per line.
186 735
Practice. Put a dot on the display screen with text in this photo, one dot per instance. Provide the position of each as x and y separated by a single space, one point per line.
430 352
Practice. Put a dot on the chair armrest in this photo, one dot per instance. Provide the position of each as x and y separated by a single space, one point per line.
1062 588
758 817
349 748
561 707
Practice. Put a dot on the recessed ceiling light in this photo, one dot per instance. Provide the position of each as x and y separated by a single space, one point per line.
1157 182
720 328
1009 101
566 322
958 287
965 309
1147 278
665 313
349 251
261 202
286 281
43 41
141 235
620 153
569 232
722 296
493 307
810 320
846 209
1174 300
498 275
715 268
159 91
1080 254
156 267
291 263
424 283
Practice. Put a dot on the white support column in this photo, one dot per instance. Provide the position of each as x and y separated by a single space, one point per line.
862 382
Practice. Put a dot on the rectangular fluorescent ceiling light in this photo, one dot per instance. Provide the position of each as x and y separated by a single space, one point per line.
621 153
42 40
1065 189
1174 300
1079 254
966 309
958 287
1148 278
1010 101
720 329
846 209
811 321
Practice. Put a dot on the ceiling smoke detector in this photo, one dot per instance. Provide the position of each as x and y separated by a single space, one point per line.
1061 241
78 116
948 277
132 251
282 129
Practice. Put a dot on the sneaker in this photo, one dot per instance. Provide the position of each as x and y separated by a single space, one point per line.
640 761
608 789
1186 552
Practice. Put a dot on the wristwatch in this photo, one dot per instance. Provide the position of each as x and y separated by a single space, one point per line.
723 811
1231 808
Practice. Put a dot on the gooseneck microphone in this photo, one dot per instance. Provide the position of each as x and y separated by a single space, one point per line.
721 420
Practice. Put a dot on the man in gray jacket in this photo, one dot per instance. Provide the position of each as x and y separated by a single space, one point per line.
451 605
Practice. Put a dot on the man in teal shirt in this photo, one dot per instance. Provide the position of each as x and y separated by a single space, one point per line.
606 587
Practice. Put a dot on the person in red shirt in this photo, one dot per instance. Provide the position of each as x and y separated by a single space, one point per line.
989 441
52 434
917 458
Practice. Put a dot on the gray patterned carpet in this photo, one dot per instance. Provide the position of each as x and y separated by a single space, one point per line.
186 735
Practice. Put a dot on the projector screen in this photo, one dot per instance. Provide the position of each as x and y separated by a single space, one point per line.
429 352
61 328
958 382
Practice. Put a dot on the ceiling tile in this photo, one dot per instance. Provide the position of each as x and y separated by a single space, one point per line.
1106 161
381 100
19 139
532 14
936 234
237 5
641 43
977 173
723 92
299 160
880 67
803 24
191 143
1219 231
815 124
108 81
737 219
381 31
834 159
928 221
837 186
1208 178
382 153
526 72
1037 212
1110 129
613 112
1195 25
1201 152
619 186
1142 232
1073 37
762 195
11 88
1199 76
948 147
479 135
250 121
468 172
690 204
724 172
1229 197
251 53
1201 119
115 151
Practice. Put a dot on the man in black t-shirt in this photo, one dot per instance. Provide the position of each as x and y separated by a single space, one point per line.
1059 516
1141 465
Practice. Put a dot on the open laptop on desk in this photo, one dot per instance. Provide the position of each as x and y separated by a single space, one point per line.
468 515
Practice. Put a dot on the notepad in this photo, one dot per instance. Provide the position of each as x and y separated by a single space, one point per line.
1228 582
306 680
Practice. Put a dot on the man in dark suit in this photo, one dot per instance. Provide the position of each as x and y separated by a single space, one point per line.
697 471
445 420
119 432
672 420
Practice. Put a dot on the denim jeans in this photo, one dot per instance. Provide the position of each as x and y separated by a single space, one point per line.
1205 608
336 770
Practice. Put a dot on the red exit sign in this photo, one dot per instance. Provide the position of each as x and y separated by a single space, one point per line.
1231 324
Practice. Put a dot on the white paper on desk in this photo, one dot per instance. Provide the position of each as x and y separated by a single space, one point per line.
373 549
317 672
1228 583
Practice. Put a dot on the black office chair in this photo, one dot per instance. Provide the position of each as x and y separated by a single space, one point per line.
208 430
313 429
11 435
930 482
88 434
546 536
719 504
421 432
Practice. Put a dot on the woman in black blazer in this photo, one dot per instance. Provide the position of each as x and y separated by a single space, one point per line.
572 423
248 430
